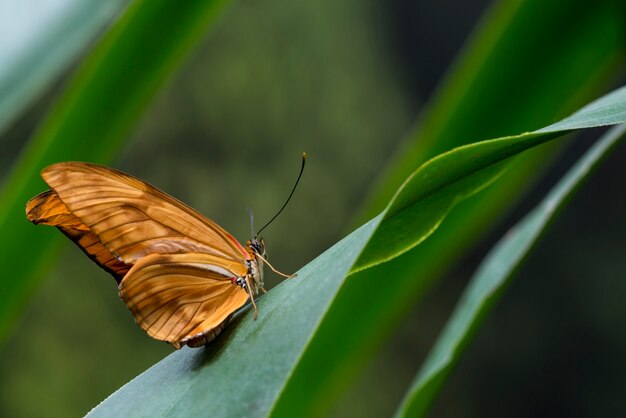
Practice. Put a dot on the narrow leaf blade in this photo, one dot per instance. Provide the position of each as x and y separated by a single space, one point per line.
457 174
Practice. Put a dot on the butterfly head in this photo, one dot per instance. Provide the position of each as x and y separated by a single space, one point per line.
257 247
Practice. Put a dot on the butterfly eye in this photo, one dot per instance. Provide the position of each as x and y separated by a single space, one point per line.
258 246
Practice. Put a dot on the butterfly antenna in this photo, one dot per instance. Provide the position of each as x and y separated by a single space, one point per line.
251 215
289 198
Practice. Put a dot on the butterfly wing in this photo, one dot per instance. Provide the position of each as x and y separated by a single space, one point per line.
175 268
46 208
133 219
180 297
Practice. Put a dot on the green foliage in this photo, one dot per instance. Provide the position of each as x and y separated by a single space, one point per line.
314 333
506 80
427 195
492 276
47 47
228 378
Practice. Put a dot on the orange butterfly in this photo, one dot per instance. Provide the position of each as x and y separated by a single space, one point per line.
181 275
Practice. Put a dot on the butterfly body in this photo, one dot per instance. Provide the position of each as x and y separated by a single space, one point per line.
181 275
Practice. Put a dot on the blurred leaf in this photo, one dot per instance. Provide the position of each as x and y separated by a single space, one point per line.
529 63
247 371
495 272
38 43
106 96
506 80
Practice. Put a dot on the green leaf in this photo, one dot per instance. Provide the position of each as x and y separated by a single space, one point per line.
241 373
99 106
608 110
247 372
492 276
427 195
38 46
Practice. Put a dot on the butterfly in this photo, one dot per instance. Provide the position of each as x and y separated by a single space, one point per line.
181 275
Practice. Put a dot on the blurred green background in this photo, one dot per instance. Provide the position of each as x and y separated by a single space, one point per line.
343 81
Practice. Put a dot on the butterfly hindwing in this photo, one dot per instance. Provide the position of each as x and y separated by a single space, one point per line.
176 297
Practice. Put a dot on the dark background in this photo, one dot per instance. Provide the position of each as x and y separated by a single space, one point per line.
227 133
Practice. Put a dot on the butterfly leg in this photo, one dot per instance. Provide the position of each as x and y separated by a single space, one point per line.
249 289
287 276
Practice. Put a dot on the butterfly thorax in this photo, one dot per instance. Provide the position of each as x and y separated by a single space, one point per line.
256 249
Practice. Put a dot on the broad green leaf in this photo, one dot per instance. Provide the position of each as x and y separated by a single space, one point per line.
241 374
492 276
99 106
40 42
247 371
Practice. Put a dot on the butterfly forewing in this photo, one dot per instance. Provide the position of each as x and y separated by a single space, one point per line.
132 218
46 208
175 297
